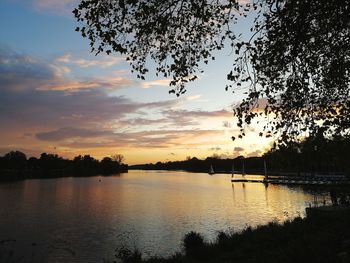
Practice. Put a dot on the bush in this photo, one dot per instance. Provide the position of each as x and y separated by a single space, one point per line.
129 256
193 244
223 240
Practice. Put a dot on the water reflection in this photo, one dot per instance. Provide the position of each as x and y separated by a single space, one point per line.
85 219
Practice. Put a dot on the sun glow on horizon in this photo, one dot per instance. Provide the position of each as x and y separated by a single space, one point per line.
59 98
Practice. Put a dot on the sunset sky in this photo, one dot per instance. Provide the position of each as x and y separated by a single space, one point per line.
56 97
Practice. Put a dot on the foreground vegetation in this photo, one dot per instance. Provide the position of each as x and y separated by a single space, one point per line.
15 166
321 237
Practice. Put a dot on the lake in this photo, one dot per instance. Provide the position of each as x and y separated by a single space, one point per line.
84 219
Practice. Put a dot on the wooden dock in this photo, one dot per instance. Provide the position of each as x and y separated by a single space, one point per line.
244 180
293 181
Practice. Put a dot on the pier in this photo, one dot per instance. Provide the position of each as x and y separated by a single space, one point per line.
321 180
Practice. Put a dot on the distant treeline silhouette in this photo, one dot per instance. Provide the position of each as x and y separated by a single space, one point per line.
15 166
317 155
252 165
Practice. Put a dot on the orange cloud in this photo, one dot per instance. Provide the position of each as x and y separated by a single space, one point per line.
76 85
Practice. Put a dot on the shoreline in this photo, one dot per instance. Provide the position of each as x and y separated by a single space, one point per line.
15 176
315 238
259 173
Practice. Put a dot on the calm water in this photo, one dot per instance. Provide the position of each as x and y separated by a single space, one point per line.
84 219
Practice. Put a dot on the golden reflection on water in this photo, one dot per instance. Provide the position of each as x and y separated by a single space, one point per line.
150 210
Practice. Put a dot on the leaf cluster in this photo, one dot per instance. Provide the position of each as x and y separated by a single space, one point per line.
297 57
176 34
299 61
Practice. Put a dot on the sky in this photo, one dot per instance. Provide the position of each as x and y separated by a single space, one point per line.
57 97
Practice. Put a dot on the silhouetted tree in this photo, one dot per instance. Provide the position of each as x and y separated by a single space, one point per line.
15 160
119 158
33 163
85 165
107 165
297 56
314 155
89 162
50 161
15 166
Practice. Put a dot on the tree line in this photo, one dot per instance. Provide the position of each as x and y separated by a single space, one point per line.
316 155
15 165
193 164
312 156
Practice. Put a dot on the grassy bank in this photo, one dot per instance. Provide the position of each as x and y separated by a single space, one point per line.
321 237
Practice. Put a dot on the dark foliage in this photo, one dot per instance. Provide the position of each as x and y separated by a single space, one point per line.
194 245
15 166
128 256
300 62
296 57
251 164
177 35
14 160
312 156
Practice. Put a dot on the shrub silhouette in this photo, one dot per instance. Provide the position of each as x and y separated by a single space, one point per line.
128 255
223 240
193 244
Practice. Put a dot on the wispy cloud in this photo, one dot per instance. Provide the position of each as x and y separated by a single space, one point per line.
59 70
27 72
215 148
138 121
55 6
143 139
31 91
187 117
238 149
176 118
71 132
65 58
152 83
103 61
254 153
110 83
193 97
226 124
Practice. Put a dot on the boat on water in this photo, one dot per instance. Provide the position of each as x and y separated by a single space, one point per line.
233 170
211 170
265 172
